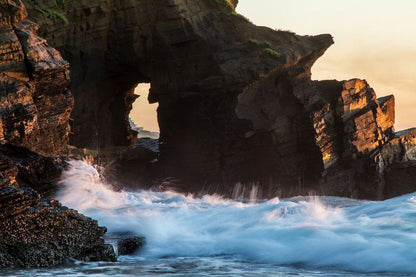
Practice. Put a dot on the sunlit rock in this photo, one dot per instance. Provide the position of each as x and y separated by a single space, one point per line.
34 80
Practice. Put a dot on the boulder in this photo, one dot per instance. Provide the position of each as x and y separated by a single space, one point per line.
35 232
129 246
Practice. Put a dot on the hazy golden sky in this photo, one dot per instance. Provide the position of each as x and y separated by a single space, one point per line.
143 113
374 40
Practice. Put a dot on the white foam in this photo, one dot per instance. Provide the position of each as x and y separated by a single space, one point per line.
352 235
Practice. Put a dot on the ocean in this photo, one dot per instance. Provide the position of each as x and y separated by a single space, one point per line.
213 236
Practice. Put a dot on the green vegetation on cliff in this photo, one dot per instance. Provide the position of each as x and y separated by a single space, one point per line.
272 53
260 43
239 16
268 50
230 10
53 14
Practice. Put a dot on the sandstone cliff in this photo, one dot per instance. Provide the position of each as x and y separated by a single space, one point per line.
35 105
35 102
236 101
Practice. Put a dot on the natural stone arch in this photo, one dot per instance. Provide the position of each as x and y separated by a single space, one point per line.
237 104
199 56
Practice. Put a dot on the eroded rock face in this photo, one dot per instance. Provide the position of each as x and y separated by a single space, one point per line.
36 231
397 161
347 127
23 168
39 233
236 101
35 103
199 56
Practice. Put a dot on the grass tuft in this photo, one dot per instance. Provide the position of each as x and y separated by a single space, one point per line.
55 16
285 31
260 43
272 53
52 14
239 16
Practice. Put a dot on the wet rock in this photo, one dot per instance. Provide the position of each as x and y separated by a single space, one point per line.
104 252
400 179
21 167
129 246
35 232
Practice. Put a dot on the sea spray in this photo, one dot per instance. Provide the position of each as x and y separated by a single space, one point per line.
313 232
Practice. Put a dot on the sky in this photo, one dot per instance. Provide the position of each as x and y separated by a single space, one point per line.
144 114
374 40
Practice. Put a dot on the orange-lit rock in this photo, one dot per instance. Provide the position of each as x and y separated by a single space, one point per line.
35 102
387 116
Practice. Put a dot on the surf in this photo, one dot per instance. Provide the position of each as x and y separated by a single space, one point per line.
317 232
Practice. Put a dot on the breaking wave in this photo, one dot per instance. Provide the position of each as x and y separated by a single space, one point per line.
314 232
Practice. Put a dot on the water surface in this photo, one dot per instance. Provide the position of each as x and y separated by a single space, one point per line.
212 236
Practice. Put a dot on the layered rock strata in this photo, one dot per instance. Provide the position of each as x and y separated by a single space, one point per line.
236 101
35 102
35 105
20 167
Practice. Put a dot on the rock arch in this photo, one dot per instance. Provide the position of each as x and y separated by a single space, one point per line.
207 66
199 56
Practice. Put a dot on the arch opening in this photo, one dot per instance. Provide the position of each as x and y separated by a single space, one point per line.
143 115
143 118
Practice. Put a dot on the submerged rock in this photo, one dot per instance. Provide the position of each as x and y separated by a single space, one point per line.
129 246
35 232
